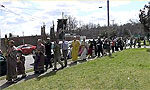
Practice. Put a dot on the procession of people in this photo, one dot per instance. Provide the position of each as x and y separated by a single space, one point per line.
43 54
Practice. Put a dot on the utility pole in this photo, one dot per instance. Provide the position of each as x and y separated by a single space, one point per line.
0 39
108 12
108 19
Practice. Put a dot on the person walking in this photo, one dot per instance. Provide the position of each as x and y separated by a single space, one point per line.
121 44
48 53
144 42
75 50
113 45
64 47
149 41
131 42
11 56
40 58
139 43
21 65
95 47
57 55
83 50
107 47
116 44
90 49
100 47
135 40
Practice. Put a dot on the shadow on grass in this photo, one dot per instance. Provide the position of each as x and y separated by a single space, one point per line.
111 57
5 85
72 64
31 76
82 61
47 75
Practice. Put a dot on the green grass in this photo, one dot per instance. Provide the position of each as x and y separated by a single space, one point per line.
148 49
2 77
126 70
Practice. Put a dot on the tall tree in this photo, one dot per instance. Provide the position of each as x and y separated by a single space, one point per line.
145 17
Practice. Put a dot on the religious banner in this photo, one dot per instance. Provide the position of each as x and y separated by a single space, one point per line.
61 27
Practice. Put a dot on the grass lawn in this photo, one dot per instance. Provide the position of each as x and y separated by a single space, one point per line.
127 70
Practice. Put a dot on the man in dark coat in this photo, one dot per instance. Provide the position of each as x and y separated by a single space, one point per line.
48 53
100 47
120 43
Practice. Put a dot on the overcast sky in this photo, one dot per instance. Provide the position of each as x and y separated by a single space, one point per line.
28 16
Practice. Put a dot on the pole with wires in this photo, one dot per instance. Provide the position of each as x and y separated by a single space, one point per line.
0 40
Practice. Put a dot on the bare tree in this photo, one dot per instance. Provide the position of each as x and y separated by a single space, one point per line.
72 22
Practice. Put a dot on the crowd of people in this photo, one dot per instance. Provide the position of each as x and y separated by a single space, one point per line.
83 49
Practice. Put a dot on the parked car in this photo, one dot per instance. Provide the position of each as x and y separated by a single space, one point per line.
26 49
3 65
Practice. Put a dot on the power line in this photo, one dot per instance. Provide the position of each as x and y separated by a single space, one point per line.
8 10
27 8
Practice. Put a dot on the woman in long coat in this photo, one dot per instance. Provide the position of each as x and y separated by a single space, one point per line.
11 62
40 58
21 65
83 50
90 49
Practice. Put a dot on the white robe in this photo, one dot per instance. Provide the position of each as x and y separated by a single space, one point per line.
83 54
